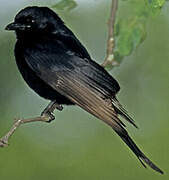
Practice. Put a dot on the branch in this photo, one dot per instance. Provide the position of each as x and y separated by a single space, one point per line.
4 140
109 60
46 116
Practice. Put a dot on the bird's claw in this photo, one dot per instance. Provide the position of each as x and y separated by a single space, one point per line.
48 116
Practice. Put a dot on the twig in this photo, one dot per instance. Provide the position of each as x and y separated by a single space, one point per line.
111 42
4 140
46 116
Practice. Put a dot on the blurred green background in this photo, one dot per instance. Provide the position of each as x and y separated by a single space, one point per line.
76 145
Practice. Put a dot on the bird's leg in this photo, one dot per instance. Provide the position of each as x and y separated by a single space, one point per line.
47 112
46 116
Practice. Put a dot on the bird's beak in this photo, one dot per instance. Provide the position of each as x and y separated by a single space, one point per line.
16 26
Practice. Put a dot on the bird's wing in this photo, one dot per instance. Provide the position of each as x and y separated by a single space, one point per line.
76 80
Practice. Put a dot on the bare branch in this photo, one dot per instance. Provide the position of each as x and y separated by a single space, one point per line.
4 139
46 116
111 42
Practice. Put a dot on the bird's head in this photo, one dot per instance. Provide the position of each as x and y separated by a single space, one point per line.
35 19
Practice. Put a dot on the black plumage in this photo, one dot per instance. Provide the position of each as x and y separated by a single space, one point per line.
58 67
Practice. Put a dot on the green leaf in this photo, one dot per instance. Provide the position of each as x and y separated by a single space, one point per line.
117 29
130 31
125 44
155 6
138 34
131 34
65 5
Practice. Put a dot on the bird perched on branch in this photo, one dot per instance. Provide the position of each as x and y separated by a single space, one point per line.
58 67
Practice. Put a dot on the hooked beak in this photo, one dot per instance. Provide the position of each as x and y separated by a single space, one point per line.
16 26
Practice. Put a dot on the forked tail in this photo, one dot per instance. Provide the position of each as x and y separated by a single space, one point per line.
126 138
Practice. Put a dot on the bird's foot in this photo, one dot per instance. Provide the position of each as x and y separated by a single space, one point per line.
47 116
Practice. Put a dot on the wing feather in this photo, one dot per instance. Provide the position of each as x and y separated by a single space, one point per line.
87 99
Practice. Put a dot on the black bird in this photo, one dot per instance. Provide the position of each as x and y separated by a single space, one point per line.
58 67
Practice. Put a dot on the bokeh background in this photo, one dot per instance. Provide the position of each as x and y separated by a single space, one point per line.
76 145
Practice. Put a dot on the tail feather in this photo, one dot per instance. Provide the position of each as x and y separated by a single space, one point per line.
121 111
143 159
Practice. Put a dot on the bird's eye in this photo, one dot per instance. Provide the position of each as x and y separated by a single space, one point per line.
29 20
32 21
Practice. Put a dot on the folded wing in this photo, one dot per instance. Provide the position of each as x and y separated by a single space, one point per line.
86 84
